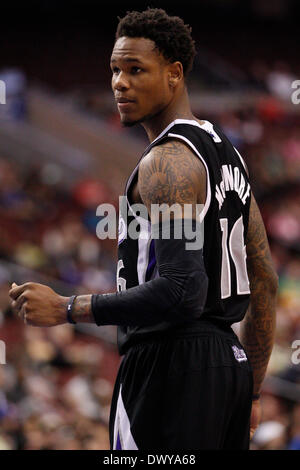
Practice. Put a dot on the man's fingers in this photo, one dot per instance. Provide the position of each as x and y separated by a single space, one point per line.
22 314
19 302
16 290
14 306
17 306
19 299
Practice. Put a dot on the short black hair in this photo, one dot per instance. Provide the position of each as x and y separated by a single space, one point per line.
170 34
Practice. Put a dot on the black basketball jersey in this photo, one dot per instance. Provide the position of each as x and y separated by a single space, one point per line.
225 216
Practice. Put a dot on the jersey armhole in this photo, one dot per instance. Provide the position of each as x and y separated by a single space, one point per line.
242 161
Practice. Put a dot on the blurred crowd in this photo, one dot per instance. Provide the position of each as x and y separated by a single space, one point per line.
55 390
50 228
56 386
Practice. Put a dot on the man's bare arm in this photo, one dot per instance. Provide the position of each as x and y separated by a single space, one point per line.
258 327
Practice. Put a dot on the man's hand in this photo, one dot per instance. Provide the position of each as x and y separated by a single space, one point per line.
255 417
38 305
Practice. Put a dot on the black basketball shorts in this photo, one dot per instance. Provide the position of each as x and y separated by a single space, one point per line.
190 391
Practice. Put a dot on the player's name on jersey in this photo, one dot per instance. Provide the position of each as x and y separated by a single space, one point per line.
232 180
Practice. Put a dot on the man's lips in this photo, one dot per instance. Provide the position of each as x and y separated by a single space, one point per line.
121 100
124 103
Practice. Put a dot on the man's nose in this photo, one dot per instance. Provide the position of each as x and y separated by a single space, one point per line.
121 82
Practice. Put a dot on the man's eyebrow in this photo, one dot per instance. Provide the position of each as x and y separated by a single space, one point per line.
127 59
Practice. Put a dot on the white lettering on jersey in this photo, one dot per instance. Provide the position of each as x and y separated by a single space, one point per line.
232 180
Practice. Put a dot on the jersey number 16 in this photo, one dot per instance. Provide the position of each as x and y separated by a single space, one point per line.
236 249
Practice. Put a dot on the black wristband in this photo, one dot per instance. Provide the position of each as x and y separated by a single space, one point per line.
69 310
256 396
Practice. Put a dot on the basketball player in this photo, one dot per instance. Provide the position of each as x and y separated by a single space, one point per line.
185 381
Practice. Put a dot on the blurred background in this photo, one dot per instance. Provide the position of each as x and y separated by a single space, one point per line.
63 152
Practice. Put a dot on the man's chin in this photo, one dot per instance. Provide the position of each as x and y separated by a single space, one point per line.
127 122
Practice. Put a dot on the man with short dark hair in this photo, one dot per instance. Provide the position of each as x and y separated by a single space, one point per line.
185 381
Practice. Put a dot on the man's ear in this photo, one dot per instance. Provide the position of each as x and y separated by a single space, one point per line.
175 73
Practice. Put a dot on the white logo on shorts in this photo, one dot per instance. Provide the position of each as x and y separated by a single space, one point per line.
239 354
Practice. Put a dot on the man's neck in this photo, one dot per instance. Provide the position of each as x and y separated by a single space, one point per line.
178 109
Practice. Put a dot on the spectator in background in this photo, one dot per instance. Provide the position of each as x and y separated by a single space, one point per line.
15 85
279 80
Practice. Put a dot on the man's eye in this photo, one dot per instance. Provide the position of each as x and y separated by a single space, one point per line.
115 70
136 69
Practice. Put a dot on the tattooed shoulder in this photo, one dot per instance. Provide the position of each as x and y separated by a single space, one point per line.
171 173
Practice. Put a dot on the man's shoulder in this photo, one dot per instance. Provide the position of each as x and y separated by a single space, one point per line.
171 153
169 146
171 173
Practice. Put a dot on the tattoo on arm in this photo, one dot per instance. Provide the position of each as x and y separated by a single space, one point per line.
258 327
82 309
172 174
